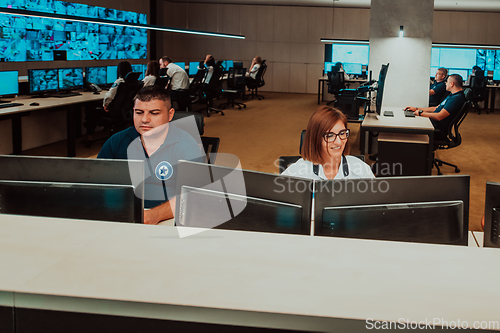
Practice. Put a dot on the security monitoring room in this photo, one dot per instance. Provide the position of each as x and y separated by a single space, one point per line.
243 165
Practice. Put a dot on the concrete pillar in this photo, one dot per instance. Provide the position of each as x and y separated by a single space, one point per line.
407 81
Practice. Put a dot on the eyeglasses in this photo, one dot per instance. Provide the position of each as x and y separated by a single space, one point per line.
330 137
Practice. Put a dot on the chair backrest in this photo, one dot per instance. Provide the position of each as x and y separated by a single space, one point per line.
122 105
454 137
211 147
236 78
286 161
335 82
260 74
478 85
216 75
162 81
198 117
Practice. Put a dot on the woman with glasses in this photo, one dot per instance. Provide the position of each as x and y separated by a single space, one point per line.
325 148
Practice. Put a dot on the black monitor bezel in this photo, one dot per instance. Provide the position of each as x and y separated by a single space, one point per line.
491 201
40 92
380 88
86 77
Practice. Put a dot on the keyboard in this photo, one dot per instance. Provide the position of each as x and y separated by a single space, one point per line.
8 105
409 113
66 95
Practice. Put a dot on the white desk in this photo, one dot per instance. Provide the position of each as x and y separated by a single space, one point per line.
240 278
478 237
15 113
398 124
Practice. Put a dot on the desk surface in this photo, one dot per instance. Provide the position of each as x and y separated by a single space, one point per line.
49 102
234 277
398 121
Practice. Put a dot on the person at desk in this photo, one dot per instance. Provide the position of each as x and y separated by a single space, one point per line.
123 69
438 87
152 73
210 64
254 67
179 83
323 150
160 144
339 68
476 71
442 115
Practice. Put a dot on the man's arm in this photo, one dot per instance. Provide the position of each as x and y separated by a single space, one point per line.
162 212
435 116
415 109
431 92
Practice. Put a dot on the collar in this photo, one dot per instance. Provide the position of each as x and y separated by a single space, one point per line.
172 135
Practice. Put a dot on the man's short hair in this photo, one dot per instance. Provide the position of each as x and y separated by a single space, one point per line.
457 79
166 59
152 93
443 70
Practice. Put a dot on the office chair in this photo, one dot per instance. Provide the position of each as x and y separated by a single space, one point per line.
453 138
213 89
198 117
195 87
479 91
335 84
235 87
254 84
211 147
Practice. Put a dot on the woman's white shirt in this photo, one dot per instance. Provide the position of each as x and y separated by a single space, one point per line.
304 169
253 72
149 80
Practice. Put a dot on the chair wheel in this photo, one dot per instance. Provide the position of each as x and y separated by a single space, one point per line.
440 173
239 107
244 106
457 170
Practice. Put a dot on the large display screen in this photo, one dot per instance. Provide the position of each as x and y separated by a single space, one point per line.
35 39
9 84
70 78
464 59
42 80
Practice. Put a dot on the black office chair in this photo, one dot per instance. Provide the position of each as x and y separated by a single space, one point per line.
198 117
196 87
235 87
121 108
211 147
335 84
213 89
453 138
253 84
479 91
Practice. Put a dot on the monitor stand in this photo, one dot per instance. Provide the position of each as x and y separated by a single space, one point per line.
65 93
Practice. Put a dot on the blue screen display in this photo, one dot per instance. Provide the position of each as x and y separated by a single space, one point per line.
227 64
450 58
462 72
41 80
193 67
355 69
351 53
328 66
96 75
496 74
181 64
35 39
112 74
139 68
9 83
70 78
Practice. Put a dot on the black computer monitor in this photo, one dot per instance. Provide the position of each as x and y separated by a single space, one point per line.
9 84
42 81
226 198
70 78
112 74
424 209
96 75
380 89
492 215
63 170
353 69
227 64
139 68
101 202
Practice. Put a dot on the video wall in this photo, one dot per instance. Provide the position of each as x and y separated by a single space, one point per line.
461 60
35 39
354 57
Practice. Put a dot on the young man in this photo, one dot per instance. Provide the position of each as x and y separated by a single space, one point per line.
438 88
160 144
443 114
179 84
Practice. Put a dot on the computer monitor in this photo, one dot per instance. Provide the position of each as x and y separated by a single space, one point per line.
102 202
112 74
139 68
464 73
42 81
96 75
9 84
63 170
380 89
181 64
193 68
423 209
226 198
496 75
328 66
70 78
227 64
492 215
354 69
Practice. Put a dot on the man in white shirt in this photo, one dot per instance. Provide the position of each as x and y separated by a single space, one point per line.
179 83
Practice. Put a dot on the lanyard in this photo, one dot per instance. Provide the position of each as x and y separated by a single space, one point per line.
345 167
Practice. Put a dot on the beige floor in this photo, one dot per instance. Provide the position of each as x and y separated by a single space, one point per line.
270 128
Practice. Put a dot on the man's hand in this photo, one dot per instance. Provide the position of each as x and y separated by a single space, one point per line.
411 108
151 216
105 108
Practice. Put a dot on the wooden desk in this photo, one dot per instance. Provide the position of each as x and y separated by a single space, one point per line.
69 103
398 124
321 85
289 282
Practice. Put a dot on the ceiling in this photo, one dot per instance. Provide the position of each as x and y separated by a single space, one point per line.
459 5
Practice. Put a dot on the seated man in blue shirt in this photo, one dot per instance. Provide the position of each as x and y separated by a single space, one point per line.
160 144
438 88
442 115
